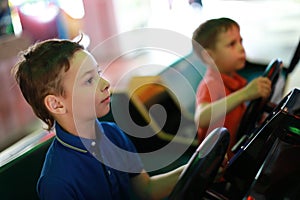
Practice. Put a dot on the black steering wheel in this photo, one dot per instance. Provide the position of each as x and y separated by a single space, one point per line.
202 167
257 107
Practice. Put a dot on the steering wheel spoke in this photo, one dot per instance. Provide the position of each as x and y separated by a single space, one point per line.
202 167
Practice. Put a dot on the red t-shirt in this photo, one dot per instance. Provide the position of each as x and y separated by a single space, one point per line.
215 86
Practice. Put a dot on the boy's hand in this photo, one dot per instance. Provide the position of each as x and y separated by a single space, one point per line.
258 87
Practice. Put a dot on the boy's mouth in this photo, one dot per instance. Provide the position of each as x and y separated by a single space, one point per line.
107 99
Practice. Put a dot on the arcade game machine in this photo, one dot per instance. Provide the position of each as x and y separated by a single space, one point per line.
267 166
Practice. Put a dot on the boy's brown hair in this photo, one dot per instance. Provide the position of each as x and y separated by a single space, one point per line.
207 33
39 73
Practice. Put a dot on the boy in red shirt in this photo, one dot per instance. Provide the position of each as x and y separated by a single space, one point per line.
221 95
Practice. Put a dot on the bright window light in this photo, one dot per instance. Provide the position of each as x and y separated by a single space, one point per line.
41 11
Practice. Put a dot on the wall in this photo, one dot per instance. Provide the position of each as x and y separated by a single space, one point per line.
16 116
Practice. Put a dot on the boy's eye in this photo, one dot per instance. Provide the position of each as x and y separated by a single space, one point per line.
99 72
93 77
90 80
232 44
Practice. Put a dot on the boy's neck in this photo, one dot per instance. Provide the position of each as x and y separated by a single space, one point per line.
223 72
81 129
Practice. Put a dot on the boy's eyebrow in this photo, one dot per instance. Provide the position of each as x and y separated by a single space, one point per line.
91 71
87 73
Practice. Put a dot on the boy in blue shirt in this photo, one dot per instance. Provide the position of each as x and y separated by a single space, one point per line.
88 159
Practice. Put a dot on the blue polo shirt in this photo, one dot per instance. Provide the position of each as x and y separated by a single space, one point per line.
72 167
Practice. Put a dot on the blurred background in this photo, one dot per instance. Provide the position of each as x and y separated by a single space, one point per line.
270 29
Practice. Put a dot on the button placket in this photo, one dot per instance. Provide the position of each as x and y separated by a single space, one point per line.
94 150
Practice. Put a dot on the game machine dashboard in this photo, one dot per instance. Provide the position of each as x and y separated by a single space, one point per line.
268 166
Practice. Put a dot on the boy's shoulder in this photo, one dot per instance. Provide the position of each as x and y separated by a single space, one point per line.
109 126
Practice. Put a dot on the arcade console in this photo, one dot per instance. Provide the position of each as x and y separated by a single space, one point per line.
267 166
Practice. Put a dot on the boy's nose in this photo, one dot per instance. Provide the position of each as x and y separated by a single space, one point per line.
103 84
241 47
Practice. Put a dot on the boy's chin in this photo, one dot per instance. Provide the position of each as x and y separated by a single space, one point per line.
103 114
241 67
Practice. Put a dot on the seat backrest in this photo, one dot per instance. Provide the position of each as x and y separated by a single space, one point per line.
19 176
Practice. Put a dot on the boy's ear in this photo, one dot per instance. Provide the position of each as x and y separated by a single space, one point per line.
54 104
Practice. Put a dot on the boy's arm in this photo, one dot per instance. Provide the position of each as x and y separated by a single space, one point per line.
155 187
207 113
